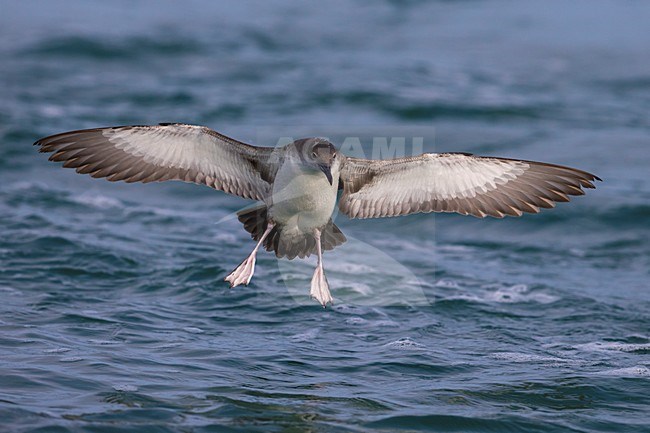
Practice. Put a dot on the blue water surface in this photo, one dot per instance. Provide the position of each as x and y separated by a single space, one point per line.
114 316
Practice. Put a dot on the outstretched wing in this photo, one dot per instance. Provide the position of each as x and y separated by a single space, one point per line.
166 152
452 182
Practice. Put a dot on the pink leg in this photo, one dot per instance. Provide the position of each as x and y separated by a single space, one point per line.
244 272
320 289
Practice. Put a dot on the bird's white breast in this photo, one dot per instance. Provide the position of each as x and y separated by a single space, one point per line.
303 197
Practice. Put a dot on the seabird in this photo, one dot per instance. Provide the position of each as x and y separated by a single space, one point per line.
297 185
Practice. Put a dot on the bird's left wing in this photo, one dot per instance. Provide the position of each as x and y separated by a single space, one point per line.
169 151
454 182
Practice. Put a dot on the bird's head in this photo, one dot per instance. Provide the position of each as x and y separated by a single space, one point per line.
319 154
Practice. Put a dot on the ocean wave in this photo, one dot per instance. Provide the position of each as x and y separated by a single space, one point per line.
414 109
57 350
625 216
129 48
636 371
450 422
98 201
629 86
527 357
152 98
125 388
308 335
114 314
71 359
615 346
405 344
518 293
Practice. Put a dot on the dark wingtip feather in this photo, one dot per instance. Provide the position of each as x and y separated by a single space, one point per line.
41 141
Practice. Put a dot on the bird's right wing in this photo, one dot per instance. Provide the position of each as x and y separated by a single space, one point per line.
451 182
167 152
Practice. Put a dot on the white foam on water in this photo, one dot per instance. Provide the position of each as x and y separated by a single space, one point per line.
305 336
125 388
519 293
89 312
356 321
354 268
71 359
405 344
104 342
578 252
465 297
226 237
164 212
527 357
58 350
97 201
193 330
636 371
447 283
612 346
52 111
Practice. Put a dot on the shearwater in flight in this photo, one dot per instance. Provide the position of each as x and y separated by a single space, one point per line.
297 185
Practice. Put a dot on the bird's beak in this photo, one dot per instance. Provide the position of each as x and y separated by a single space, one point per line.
325 168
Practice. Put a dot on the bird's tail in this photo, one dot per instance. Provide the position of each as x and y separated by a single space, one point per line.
284 242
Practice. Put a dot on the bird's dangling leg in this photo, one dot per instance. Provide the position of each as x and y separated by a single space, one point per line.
244 272
320 289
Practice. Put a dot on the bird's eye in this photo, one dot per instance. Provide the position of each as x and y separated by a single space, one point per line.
334 155
314 154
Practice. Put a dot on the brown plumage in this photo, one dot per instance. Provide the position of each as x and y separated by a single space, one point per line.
449 182
166 152
297 183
